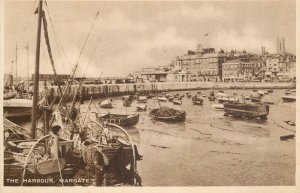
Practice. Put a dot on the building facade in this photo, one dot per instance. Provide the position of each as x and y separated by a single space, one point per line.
239 70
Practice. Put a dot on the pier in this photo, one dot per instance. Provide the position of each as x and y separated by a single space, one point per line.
110 90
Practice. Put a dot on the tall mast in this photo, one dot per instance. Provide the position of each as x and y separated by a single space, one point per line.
36 72
27 47
16 61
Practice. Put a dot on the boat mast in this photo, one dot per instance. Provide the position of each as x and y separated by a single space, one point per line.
16 62
27 48
36 72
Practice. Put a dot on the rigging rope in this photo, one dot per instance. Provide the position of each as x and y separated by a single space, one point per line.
57 42
92 57
49 50
77 62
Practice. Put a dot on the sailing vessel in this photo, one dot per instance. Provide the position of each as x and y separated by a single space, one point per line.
17 100
54 151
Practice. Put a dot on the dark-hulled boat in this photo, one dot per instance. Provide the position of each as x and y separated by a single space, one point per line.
255 99
14 108
127 103
249 110
128 97
119 119
197 100
168 114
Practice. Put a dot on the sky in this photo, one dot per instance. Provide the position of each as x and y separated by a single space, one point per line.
128 36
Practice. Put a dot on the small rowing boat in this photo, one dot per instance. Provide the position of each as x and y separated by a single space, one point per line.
177 102
141 107
106 104
162 99
289 98
119 119
127 103
167 114
142 99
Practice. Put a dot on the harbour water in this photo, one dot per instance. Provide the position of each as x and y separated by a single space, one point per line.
209 149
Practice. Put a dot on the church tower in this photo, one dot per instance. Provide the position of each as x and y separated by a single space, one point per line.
280 45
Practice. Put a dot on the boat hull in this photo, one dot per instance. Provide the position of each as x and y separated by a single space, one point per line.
178 117
289 98
121 120
246 110
17 112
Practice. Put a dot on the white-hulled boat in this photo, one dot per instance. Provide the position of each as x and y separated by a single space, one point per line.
106 104
289 98
141 106
177 102
261 92
162 99
217 106
142 99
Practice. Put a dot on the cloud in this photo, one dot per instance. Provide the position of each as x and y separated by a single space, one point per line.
249 39
157 49
134 35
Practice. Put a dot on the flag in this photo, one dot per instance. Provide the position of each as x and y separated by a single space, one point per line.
206 34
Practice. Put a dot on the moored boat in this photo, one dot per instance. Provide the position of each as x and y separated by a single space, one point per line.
177 102
289 98
119 119
261 92
162 99
149 95
14 108
197 100
128 97
288 92
106 104
7 96
171 98
217 106
168 114
255 99
212 96
249 110
141 107
127 103
142 99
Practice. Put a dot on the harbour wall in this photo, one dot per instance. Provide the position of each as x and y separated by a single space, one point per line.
110 90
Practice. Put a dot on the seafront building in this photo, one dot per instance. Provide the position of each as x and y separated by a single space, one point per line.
209 65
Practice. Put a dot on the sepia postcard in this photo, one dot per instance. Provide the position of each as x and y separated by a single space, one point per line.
149 96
